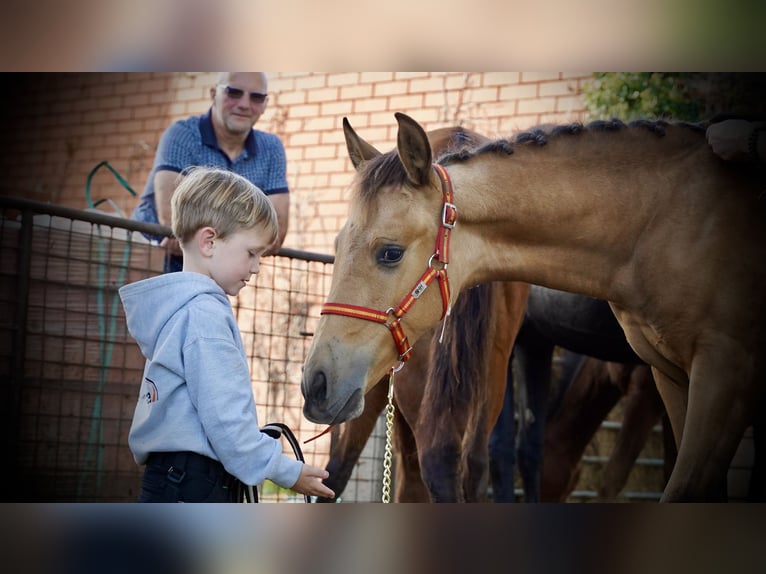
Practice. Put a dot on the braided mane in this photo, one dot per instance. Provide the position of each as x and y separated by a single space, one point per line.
540 136
387 169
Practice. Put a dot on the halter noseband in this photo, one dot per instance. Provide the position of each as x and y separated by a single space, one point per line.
392 316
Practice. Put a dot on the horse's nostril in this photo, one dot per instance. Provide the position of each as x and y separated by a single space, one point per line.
318 387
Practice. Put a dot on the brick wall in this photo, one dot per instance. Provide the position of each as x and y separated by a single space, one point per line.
58 127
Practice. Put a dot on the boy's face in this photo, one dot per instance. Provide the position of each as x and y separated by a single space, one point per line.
234 259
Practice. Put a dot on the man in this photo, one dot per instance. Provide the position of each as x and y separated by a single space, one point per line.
223 137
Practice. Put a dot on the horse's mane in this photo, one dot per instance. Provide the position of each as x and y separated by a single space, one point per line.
541 136
457 364
387 169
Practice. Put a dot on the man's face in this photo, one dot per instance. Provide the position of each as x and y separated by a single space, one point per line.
238 101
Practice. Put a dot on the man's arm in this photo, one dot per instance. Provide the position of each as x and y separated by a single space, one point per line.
164 186
165 183
738 140
281 202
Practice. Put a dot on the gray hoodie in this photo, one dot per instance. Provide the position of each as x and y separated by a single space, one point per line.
195 394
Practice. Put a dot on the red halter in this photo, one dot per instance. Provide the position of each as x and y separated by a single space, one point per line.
391 317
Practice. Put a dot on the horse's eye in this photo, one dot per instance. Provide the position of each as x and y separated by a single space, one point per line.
389 255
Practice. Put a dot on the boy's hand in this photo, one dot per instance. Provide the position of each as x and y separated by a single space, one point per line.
310 482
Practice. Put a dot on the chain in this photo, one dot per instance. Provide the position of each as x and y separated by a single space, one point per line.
389 439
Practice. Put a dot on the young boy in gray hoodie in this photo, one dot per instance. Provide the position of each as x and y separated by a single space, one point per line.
195 424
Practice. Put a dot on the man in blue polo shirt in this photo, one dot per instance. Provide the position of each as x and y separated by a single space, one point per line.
223 137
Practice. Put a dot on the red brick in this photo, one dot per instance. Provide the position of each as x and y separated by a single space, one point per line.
90 120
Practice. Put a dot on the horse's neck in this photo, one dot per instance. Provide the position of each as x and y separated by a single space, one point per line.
563 222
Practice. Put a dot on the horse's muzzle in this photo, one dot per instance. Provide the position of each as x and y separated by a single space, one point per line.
319 409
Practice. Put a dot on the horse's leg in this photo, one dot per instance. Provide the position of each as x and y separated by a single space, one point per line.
533 356
535 379
409 485
345 451
502 447
587 401
674 397
440 456
475 463
642 408
409 389
670 450
720 406
483 418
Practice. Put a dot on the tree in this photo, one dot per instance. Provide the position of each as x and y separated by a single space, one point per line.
690 96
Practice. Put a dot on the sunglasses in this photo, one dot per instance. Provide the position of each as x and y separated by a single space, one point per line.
237 93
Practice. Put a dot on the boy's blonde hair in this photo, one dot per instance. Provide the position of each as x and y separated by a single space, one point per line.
220 199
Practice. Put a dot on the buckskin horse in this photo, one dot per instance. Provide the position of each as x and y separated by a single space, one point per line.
671 235
450 395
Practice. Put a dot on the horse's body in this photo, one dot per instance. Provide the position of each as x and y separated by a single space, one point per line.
645 217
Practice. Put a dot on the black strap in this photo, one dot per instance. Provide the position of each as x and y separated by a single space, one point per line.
278 430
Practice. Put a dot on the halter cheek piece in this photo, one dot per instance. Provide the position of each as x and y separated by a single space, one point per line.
392 316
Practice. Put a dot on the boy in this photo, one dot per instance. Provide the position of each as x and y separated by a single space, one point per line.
195 425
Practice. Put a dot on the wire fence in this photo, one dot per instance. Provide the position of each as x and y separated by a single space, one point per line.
71 371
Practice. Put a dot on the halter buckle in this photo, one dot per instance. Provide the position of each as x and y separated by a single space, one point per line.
449 215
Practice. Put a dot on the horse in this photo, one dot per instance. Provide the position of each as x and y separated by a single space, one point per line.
659 226
583 326
459 375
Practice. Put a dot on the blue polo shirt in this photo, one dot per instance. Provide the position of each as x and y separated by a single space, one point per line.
192 142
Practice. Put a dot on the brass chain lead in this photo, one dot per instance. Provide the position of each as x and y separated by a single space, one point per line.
389 440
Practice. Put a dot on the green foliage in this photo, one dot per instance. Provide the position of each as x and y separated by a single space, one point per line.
689 96
632 95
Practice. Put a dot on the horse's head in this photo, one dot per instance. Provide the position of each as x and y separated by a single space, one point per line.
385 253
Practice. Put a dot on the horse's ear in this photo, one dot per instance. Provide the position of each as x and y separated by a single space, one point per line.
414 149
358 150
